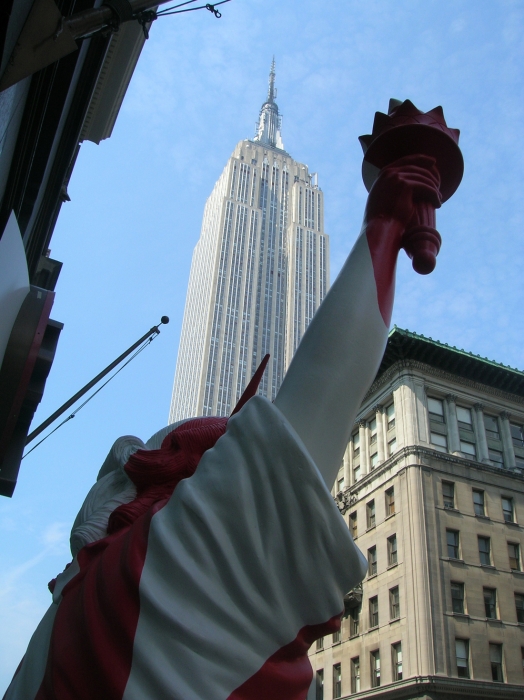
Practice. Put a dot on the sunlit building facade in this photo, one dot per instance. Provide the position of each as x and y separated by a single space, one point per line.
259 272
432 489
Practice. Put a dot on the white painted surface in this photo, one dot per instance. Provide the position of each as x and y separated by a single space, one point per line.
14 280
248 551
336 363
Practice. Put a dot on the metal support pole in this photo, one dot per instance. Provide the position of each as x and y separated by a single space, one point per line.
152 331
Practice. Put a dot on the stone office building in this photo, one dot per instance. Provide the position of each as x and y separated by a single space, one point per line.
432 488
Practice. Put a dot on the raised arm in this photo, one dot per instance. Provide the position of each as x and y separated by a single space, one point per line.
341 350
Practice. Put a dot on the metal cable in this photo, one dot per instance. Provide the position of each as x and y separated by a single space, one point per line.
144 346
210 7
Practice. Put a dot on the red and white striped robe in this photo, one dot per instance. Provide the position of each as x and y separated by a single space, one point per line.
218 593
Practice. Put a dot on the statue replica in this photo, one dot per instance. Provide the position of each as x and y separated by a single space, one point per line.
207 560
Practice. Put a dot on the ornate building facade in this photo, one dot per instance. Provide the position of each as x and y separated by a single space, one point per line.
432 488
259 272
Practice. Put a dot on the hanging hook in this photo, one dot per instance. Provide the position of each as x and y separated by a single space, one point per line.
212 9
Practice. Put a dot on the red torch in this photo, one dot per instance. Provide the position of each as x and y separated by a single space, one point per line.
405 131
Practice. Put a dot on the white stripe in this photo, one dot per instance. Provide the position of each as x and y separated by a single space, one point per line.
247 552
27 682
336 363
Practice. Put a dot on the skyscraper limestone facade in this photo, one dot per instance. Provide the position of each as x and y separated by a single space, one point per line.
259 272
432 488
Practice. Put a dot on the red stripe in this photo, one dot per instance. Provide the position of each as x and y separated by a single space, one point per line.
91 647
383 239
102 602
287 674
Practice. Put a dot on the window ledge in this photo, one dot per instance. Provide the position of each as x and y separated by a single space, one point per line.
465 615
372 576
392 515
488 566
371 528
395 619
392 566
451 510
456 560
519 572
511 523
482 517
354 636
372 629
336 644
494 619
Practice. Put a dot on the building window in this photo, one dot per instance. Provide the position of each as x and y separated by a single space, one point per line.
373 431
336 637
452 537
337 680
392 550
457 597
320 643
448 494
495 657
373 611
507 510
373 460
375 668
514 556
354 621
492 427
396 661
372 561
468 448
436 410
356 473
353 524
394 603
485 551
496 457
355 675
340 484
320 684
392 446
490 603
390 501
519 605
390 416
356 444
464 418
439 442
370 512
517 434
478 502
462 655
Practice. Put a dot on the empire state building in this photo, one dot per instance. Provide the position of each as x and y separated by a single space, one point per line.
259 272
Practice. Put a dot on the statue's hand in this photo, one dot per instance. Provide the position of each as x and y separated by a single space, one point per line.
399 185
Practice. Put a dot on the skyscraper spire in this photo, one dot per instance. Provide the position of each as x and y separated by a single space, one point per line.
269 121
271 93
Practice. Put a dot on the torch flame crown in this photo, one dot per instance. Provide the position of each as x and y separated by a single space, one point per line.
405 130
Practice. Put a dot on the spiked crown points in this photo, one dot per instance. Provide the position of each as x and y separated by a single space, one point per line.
406 130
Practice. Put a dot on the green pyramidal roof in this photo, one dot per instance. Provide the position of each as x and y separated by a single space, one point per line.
406 345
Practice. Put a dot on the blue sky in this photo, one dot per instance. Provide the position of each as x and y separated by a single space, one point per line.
127 236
